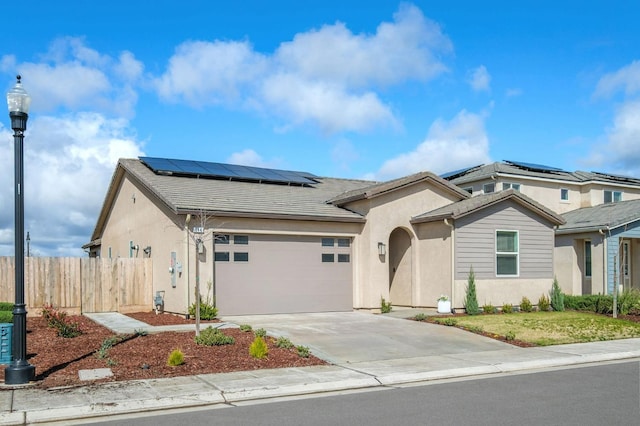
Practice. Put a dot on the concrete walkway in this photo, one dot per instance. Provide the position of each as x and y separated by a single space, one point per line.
354 370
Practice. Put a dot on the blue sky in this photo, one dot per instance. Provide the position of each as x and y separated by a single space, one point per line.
355 89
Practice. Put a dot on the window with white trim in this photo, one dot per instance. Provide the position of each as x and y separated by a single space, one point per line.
488 188
612 196
468 189
507 253
564 194
509 185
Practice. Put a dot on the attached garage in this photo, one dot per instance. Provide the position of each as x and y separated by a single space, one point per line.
266 274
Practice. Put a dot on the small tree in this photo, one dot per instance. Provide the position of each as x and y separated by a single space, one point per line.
557 298
471 300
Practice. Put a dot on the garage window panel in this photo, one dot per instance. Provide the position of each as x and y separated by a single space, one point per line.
221 256
344 258
328 257
240 256
328 242
241 239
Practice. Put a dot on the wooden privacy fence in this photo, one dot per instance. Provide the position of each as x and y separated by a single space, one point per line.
78 285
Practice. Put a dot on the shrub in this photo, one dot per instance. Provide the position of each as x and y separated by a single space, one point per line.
557 298
471 300
245 327
213 337
451 322
628 301
510 335
258 348
176 357
525 305
420 317
303 351
284 343
507 308
260 332
6 317
108 343
385 307
207 310
489 308
6 306
543 303
58 319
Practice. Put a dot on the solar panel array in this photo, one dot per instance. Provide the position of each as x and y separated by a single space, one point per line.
458 173
226 171
617 178
534 167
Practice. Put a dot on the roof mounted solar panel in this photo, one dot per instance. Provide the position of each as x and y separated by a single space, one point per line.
457 173
617 178
534 167
203 169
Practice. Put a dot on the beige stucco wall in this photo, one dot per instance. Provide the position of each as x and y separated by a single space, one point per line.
134 217
498 292
384 214
434 246
569 263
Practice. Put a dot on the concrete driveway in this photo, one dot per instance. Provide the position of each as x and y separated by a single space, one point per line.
356 337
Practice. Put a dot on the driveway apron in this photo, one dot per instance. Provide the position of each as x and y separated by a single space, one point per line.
354 337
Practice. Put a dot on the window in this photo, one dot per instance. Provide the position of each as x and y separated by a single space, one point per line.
241 239
343 258
612 196
587 259
240 257
221 239
488 187
344 242
507 253
221 256
109 252
564 194
327 257
327 242
507 185
469 190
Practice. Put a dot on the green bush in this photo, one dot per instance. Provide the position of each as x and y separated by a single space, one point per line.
207 311
58 319
6 306
260 332
525 305
213 337
543 303
489 308
507 308
511 335
6 317
176 357
245 327
258 348
420 317
557 298
628 302
303 351
471 300
385 307
284 343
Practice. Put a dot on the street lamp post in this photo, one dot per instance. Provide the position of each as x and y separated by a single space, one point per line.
19 370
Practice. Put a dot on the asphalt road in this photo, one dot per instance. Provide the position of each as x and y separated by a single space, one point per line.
605 394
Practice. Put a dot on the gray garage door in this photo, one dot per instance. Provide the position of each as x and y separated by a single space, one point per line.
264 274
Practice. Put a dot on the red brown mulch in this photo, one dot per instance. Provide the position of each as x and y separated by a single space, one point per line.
57 359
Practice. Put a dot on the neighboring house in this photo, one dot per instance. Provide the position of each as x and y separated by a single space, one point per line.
600 246
559 190
596 206
278 241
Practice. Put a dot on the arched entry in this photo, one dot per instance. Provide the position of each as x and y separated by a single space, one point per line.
400 268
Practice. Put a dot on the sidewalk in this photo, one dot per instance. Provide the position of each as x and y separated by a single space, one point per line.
28 406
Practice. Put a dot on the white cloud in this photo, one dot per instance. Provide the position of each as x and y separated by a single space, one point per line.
325 77
480 79
626 79
249 157
68 163
449 145
512 93
73 76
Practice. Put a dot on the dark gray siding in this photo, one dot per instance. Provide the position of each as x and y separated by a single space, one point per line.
475 241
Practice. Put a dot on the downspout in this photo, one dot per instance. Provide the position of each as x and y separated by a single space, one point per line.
453 260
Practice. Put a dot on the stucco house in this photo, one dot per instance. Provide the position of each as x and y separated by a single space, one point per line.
275 241
596 246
